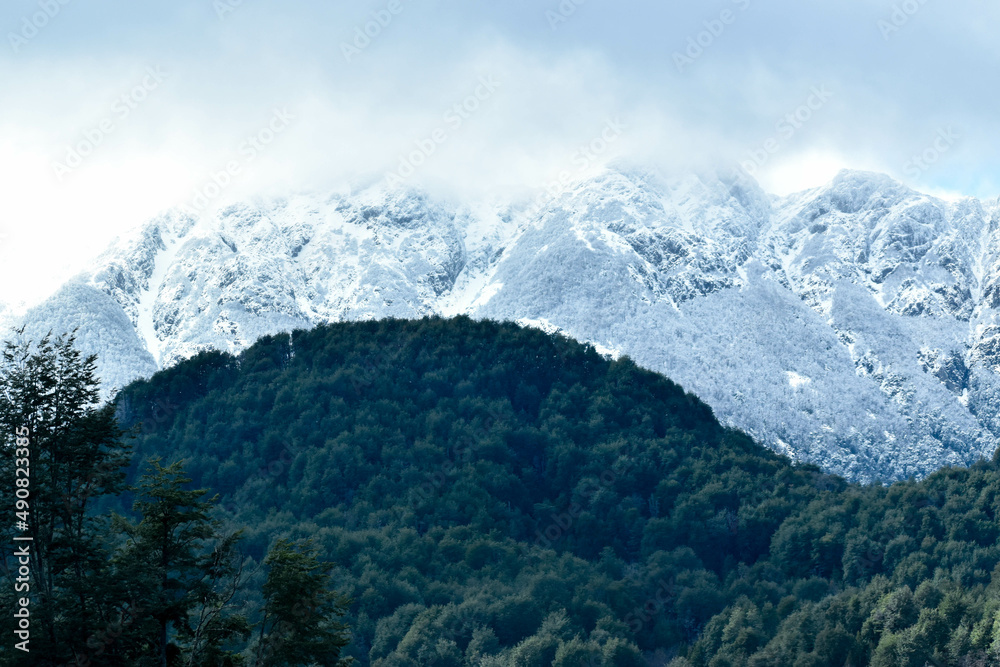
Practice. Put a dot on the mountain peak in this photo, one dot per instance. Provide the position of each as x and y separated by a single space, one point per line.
885 299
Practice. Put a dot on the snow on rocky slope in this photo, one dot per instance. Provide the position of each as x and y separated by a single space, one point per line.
855 325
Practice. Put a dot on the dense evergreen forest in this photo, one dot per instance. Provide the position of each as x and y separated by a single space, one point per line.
491 495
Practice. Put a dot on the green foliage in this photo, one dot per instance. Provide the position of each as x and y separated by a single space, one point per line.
52 426
181 569
165 587
300 623
498 496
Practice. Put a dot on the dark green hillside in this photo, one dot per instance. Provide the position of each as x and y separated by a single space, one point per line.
494 495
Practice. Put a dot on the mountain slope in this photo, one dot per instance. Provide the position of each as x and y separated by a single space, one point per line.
853 325
494 495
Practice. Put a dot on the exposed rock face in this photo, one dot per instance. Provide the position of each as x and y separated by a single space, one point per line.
854 325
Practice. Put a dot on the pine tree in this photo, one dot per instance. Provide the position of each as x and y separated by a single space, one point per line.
301 616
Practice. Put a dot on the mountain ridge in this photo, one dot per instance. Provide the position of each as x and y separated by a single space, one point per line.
852 325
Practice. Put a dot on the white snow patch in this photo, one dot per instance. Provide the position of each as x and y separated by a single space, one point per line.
549 328
540 323
471 289
609 352
616 242
581 235
964 398
796 380
488 293
147 298
785 449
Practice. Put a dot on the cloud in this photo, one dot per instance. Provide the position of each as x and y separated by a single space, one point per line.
360 112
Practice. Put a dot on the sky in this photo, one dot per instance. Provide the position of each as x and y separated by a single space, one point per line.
112 111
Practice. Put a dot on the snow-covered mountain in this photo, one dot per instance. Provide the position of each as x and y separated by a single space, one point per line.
855 325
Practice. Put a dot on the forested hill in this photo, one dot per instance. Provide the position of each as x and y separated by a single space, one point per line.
494 495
